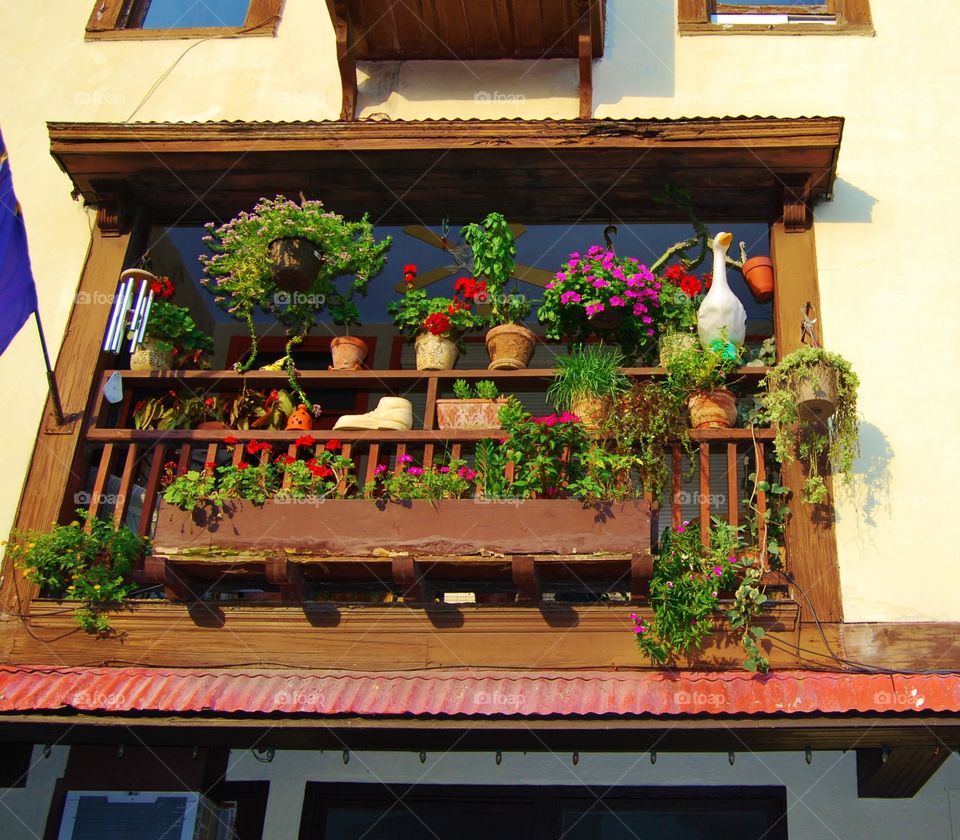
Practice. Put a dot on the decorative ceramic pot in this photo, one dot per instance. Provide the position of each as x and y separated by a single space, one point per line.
148 356
673 343
296 263
300 420
469 414
348 352
817 393
758 272
435 352
510 346
713 409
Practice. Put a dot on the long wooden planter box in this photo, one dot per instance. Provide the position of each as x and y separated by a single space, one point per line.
362 527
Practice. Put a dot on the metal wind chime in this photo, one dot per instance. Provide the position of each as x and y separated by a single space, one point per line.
117 325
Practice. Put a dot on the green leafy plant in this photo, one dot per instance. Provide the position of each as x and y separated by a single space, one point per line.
688 579
691 369
483 389
494 252
172 328
589 371
87 561
416 312
644 422
239 271
257 478
451 480
249 408
807 438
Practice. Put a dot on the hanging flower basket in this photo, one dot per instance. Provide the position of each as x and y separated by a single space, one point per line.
758 272
817 393
295 265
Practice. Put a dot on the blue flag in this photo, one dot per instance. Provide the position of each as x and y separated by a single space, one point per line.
18 294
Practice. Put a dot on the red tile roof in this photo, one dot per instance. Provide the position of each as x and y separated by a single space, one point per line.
466 693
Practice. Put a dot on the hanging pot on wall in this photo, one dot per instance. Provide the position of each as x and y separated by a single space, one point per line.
758 272
817 393
296 263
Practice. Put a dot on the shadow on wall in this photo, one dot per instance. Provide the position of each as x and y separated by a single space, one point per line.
849 204
639 56
871 474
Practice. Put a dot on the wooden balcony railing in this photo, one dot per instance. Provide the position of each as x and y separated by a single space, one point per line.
125 468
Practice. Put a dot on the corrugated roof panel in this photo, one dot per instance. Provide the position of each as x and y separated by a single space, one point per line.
475 694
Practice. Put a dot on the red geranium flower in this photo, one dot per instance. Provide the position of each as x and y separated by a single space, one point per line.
690 286
306 440
437 323
675 273
409 268
210 465
707 278
332 445
242 465
230 440
162 288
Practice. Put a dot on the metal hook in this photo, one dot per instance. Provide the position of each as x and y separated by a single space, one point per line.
806 324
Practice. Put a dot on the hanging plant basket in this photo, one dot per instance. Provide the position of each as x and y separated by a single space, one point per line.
296 263
608 319
817 393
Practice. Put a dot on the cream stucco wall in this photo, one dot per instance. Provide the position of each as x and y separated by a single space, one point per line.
892 203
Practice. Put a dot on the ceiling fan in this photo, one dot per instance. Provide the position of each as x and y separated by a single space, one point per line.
463 259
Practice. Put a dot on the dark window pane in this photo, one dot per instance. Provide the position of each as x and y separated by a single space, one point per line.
186 14
615 824
414 820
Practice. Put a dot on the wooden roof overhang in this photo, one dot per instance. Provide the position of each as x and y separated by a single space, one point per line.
743 168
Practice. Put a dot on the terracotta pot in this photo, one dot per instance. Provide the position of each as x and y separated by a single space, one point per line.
300 420
758 272
348 352
148 356
469 414
673 343
296 263
435 352
817 393
510 347
713 409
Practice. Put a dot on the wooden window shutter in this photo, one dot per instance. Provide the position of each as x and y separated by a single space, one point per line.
105 15
692 11
854 13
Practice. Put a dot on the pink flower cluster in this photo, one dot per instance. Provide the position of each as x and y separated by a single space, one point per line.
554 419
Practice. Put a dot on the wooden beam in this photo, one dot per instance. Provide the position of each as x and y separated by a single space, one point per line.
811 540
797 209
56 469
585 54
897 772
346 59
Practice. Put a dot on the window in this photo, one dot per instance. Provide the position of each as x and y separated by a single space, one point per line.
822 17
372 812
115 19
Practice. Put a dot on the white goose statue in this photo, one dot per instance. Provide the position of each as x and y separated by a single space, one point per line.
721 308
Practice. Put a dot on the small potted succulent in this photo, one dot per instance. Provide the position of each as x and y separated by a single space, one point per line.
509 343
812 398
88 561
601 294
243 276
586 377
172 338
437 324
475 406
